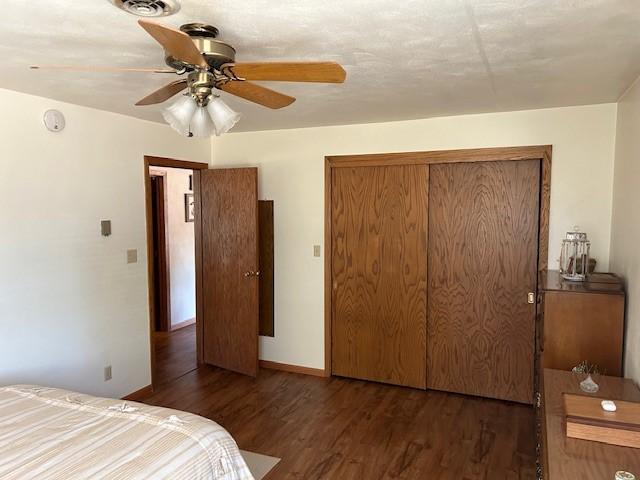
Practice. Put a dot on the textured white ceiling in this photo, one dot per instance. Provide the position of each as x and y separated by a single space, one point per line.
404 59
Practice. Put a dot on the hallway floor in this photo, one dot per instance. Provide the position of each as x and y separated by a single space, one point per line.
175 353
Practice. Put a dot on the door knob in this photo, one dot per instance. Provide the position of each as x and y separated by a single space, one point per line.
251 273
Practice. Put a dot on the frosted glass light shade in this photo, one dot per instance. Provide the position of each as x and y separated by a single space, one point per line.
187 118
224 118
180 113
201 124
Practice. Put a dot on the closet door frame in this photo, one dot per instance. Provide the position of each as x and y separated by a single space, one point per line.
536 152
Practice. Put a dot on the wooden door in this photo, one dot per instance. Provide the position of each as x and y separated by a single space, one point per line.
161 270
227 247
379 272
483 253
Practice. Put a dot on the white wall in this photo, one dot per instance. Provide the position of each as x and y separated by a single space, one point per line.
181 240
69 302
625 228
292 174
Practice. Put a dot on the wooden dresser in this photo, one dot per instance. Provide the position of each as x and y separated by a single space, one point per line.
581 321
563 458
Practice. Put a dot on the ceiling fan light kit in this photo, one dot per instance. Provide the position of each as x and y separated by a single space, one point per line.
209 64
192 116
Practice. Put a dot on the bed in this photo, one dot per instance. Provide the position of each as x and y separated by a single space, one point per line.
48 433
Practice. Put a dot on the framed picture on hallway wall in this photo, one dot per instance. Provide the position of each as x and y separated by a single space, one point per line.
189 207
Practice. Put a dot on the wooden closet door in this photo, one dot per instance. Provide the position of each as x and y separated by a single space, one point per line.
379 270
483 252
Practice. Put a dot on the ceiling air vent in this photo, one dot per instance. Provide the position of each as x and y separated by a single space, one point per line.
148 8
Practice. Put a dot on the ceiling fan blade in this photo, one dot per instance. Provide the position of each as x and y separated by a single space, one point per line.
177 43
89 68
257 94
323 72
164 93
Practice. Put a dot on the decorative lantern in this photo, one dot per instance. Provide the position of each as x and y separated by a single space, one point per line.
574 257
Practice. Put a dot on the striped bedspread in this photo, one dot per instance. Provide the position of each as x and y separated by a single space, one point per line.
47 433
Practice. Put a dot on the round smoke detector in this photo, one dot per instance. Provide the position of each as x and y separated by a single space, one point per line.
148 8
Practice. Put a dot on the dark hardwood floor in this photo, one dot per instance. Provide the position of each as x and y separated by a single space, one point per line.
175 353
345 429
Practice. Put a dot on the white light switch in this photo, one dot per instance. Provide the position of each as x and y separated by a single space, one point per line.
316 250
132 256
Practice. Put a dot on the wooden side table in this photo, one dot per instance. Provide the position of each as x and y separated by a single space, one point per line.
564 458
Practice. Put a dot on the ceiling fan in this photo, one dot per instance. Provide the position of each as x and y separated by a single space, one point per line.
209 65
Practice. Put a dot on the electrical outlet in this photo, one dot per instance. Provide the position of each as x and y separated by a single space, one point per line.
132 256
316 250
107 373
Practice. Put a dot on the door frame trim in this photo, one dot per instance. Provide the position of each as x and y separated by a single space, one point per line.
153 161
535 152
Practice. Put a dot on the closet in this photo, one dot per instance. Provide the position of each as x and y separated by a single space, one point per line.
433 266
379 251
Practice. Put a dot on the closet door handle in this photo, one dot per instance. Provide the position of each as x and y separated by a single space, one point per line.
251 273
